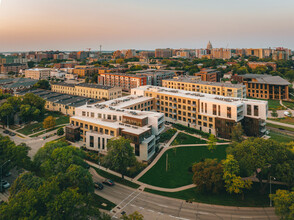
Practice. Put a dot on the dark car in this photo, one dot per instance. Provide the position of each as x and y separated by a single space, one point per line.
6 132
108 182
98 185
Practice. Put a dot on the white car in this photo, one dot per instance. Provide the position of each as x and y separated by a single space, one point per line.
5 184
286 113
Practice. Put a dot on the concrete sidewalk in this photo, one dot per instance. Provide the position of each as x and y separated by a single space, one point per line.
280 123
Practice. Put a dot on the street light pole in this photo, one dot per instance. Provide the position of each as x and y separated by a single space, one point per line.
271 189
1 168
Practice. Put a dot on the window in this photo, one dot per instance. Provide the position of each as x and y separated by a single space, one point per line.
83 113
256 110
229 112
249 110
214 109
91 141
92 114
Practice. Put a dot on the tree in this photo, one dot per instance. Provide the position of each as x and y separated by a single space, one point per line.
274 113
211 142
237 133
17 154
134 216
6 111
260 157
42 84
60 187
120 155
233 182
60 132
34 100
28 112
284 203
49 122
208 175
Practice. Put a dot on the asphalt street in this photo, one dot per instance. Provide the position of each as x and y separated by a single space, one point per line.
158 207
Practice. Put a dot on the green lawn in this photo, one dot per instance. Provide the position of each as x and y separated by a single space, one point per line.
289 104
116 178
272 104
183 138
251 199
98 201
37 127
46 131
280 137
179 161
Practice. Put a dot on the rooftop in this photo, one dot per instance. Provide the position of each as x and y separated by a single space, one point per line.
198 96
194 81
87 85
126 101
266 79
125 127
59 98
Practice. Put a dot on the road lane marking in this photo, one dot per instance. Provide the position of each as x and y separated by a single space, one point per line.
162 205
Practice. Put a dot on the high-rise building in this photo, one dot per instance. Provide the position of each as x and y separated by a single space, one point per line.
165 53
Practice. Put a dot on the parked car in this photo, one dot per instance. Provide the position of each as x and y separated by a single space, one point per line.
108 182
6 132
98 185
5 184
7 174
12 134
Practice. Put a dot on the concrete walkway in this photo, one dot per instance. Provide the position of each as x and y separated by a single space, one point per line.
165 148
142 185
280 123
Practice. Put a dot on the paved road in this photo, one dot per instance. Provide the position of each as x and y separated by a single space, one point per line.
35 143
157 207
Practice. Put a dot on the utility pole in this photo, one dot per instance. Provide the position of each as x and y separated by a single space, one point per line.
166 159
100 54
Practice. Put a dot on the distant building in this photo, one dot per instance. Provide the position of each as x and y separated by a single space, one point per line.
85 70
124 81
12 67
209 46
155 77
37 73
210 75
88 90
253 65
164 53
264 86
221 53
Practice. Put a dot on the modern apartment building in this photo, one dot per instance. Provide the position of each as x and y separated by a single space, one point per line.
210 75
101 122
206 112
193 84
124 81
264 86
37 73
88 90
253 65
66 104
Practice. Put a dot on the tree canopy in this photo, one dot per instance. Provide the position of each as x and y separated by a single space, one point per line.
120 155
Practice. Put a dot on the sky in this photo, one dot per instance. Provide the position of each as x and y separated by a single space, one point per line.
144 24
